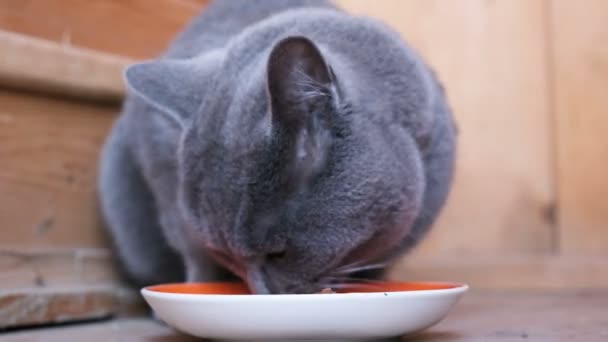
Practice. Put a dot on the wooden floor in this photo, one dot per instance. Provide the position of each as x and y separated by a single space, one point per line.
480 316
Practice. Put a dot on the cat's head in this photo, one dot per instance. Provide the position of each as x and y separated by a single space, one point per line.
282 174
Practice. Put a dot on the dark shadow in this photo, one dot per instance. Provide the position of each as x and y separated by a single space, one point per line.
55 325
429 336
432 336
175 337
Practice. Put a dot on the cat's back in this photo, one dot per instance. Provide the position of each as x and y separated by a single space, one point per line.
224 19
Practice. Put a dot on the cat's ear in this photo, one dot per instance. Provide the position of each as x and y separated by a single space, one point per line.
171 86
300 88
298 78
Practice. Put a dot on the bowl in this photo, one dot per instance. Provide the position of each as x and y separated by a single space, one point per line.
227 311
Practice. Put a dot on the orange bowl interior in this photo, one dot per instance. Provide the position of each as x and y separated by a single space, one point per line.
241 289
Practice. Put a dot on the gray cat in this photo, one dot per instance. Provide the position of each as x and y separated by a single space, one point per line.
285 142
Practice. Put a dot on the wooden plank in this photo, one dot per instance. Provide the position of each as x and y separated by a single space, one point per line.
55 267
28 307
580 67
42 286
40 65
136 28
479 316
48 151
509 272
491 56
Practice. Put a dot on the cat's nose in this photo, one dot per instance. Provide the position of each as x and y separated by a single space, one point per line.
256 280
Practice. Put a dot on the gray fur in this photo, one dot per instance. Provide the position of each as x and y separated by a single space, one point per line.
286 141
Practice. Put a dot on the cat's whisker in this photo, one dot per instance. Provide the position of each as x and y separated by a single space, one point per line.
313 93
339 286
355 269
346 285
307 78
353 280
304 81
371 261
352 264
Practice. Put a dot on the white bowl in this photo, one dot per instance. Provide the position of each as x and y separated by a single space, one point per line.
225 311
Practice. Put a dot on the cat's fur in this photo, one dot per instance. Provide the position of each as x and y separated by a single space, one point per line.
287 141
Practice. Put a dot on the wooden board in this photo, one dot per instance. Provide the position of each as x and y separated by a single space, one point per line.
43 286
491 56
136 28
48 151
28 307
55 267
580 67
38 65
479 316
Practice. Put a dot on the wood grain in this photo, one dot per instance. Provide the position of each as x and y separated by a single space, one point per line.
491 56
48 151
28 307
52 285
39 65
580 70
55 267
136 28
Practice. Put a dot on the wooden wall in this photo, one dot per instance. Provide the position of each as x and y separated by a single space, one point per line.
528 81
137 28
492 57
